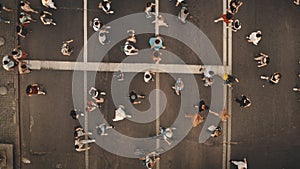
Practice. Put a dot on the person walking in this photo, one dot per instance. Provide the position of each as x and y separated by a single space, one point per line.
195 118
79 132
234 6
184 14
22 31
103 32
46 20
180 2
4 8
201 106
120 114
25 18
150 9
254 37
75 114
133 96
262 60
148 76
215 130
102 128
48 4
18 53
66 48
235 25
227 18
240 164
34 89
25 6
230 79
166 133
105 5
223 115
178 87
150 159
9 63
244 101
273 79
22 66
160 21
156 43
156 56
128 47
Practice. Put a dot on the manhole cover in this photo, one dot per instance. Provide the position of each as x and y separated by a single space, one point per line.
3 90
2 41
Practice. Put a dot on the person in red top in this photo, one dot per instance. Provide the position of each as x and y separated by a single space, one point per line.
227 18
34 89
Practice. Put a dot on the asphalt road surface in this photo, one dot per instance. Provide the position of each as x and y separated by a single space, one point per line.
265 133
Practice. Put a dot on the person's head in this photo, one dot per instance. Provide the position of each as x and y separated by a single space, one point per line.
22 3
129 47
185 11
157 41
5 62
24 66
237 23
76 146
14 52
277 75
148 4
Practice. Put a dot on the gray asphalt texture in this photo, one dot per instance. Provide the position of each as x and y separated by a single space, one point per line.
266 133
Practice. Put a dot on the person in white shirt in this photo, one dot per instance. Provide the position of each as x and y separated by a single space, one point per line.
254 37
240 164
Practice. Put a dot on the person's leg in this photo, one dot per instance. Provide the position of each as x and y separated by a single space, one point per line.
87 141
218 20
238 101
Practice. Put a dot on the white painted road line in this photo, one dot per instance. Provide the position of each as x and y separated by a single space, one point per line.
85 55
125 67
157 121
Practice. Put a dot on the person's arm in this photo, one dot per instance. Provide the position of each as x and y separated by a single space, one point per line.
262 65
42 19
46 12
214 113
7 9
19 33
83 149
262 54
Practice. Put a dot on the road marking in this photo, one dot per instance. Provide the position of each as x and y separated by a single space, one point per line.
124 67
157 84
85 54
226 92
229 99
